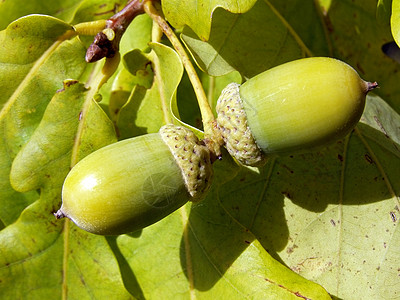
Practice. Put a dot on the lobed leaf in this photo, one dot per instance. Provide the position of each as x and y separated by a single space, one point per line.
71 11
358 38
265 36
306 20
45 159
11 10
331 214
32 243
213 256
89 10
116 91
27 83
185 106
43 163
143 112
197 15
383 11
62 261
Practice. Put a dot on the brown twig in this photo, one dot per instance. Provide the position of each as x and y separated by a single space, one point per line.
103 45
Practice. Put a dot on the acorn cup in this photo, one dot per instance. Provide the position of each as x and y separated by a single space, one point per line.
295 106
134 183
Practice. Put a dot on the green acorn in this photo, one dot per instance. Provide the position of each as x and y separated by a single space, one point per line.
298 105
136 182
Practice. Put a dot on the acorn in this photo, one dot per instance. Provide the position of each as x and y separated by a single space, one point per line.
296 106
134 183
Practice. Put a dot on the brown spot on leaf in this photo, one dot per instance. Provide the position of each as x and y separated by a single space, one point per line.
291 249
368 158
68 83
393 216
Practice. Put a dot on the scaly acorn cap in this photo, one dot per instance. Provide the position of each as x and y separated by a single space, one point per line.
232 123
192 157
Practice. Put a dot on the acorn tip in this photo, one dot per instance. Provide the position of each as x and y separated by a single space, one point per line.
371 86
59 214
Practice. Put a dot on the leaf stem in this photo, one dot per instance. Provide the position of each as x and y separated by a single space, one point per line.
35 68
90 28
211 136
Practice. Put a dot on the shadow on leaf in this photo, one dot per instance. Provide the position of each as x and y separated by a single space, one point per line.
258 204
127 274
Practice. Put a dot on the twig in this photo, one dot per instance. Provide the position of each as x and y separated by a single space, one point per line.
212 137
106 42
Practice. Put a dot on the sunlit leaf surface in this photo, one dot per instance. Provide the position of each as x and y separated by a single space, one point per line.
306 226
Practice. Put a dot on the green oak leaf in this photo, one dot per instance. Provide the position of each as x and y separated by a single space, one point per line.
11 10
41 161
233 36
135 60
306 19
71 11
331 214
197 15
116 91
90 10
138 35
357 38
214 256
122 86
33 66
272 34
65 134
303 225
383 11
63 261
185 108
143 112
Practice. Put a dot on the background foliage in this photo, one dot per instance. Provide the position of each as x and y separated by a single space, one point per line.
302 225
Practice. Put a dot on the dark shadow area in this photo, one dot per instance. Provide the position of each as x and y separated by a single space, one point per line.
252 204
128 114
335 298
135 234
189 111
392 50
127 274
220 228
